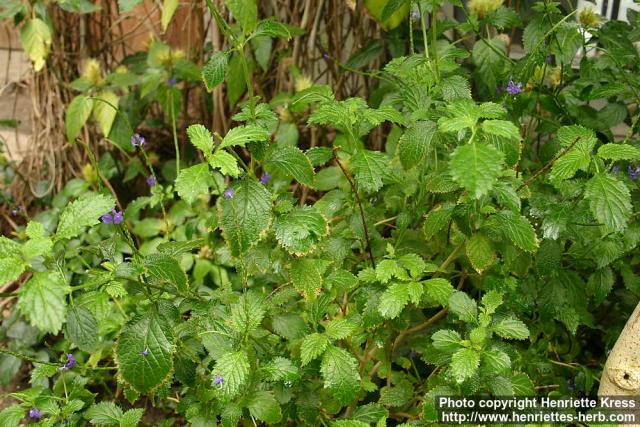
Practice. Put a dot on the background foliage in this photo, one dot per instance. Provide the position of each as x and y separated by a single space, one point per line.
427 216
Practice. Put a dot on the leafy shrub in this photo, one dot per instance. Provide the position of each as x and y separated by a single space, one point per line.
480 250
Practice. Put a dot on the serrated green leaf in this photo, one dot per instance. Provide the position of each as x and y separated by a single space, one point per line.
491 301
224 161
495 361
609 200
476 167
151 334
511 328
234 369
386 269
163 269
369 169
501 128
307 275
463 306
200 137
12 415
340 372
281 369
131 418
518 229
193 182
104 414
464 363
215 70
82 328
42 301
393 300
241 135
397 396
264 406
272 28
455 87
480 252
416 143
312 347
447 340
78 113
103 111
438 290
10 269
81 213
619 152
291 162
340 328
247 313
246 216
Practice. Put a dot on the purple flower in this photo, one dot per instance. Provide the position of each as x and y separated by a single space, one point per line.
615 169
217 380
113 217
549 59
137 140
71 362
514 88
325 56
265 178
35 413
634 173
415 15
14 211
151 181
144 352
228 193
172 81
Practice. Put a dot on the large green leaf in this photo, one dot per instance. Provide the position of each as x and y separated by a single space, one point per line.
619 152
480 252
463 306
201 138
78 113
224 161
151 334
245 12
476 167
193 182
511 328
609 200
42 301
416 143
163 269
340 372
370 168
215 70
104 112
464 363
10 269
246 215
307 275
81 213
299 230
233 370
82 328
241 135
312 347
393 300
264 406
291 162
517 229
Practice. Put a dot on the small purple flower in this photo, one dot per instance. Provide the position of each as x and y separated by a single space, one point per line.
325 55
265 178
144 352
71 362
615 169
137 140
14 211
151 181
113 217
634 173
548 60
172 81
228 193
217 380
415 14
35 413
514 88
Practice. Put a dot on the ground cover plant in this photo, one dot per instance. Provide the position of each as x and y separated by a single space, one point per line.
468 229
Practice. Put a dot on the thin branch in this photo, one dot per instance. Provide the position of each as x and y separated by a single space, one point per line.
359 203
548 165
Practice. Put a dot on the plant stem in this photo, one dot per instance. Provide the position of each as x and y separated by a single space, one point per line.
359 203
548 165
172 108
434 39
